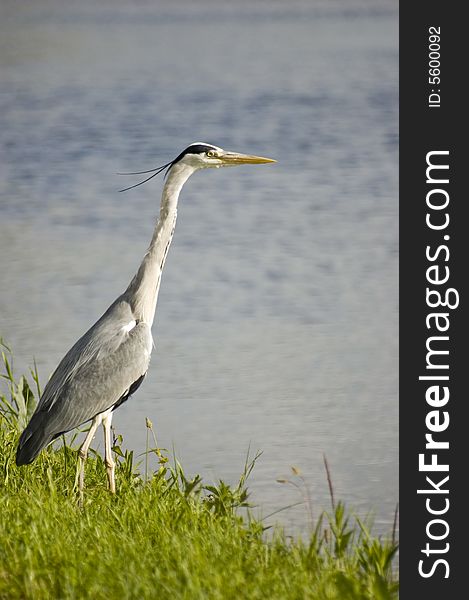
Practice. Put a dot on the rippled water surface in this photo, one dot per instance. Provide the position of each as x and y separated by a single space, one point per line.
277 318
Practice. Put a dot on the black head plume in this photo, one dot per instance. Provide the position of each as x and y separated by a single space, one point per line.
155 172
196 148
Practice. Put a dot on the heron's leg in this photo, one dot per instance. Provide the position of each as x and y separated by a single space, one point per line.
83 453
110 464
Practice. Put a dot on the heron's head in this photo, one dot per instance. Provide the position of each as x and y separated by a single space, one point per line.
200 155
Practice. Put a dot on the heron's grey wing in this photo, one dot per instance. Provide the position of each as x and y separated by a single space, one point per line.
100 383
94 374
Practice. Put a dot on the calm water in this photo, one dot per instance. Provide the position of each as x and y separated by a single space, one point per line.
277 319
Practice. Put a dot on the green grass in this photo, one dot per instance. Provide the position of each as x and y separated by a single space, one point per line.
164 534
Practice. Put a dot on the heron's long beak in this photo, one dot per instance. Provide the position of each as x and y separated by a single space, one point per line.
234 158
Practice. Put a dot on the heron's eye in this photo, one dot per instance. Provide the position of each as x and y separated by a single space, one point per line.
211 153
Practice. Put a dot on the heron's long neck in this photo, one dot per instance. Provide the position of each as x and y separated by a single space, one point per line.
142 292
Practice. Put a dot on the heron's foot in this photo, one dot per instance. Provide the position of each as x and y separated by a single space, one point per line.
110 469
80 475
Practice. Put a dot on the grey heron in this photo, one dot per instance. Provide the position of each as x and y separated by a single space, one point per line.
109 362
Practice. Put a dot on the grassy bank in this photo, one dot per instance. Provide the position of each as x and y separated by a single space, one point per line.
164 535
